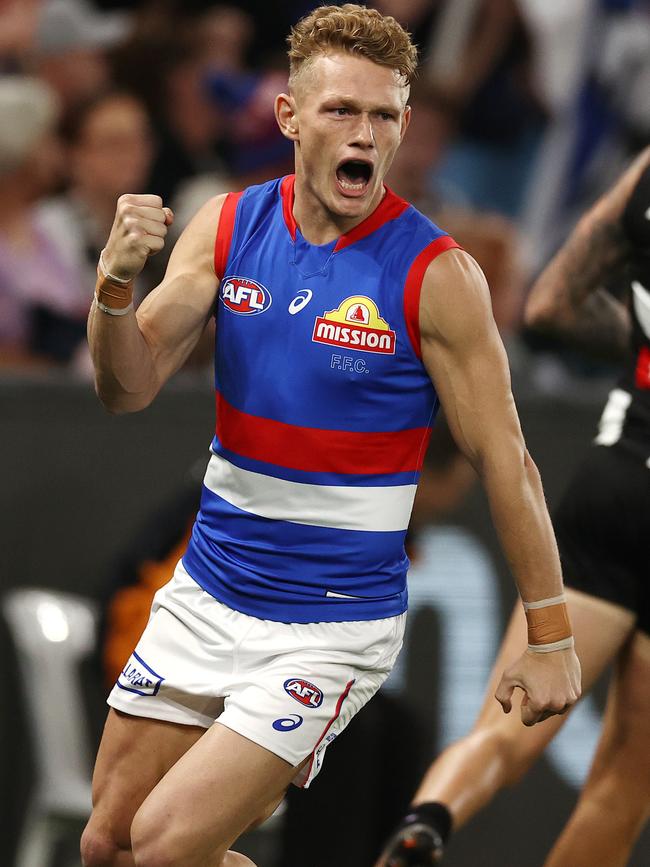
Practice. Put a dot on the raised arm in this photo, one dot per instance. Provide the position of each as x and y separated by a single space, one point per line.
135 353
568 299
464 356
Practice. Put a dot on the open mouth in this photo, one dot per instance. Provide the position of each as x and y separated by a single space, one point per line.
353 176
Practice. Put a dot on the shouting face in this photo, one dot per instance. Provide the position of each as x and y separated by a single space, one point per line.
347 116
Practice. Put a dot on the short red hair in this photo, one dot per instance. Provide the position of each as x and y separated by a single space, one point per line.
357 30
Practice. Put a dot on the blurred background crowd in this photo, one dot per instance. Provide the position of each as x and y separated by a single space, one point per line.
524 111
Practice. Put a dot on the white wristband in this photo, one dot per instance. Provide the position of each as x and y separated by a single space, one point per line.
113 311
107 274
544 603
563 644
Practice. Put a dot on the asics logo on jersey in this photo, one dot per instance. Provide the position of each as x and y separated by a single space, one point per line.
303 691
301 300
355 324
244 296
288 724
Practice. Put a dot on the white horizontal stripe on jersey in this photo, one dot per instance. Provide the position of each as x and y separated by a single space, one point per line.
378 509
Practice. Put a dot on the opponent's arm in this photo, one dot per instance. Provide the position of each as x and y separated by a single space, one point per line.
568 300
465 358
134 353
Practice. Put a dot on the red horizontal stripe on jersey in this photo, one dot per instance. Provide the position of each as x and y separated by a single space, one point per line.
319 451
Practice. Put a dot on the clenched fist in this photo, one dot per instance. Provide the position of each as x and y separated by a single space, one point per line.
550 681
138 231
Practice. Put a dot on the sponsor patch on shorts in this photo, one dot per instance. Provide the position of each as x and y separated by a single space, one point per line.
138 677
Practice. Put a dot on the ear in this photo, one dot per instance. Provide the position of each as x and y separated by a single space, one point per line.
287 116
406 119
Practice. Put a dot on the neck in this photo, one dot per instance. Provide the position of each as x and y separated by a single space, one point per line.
317 223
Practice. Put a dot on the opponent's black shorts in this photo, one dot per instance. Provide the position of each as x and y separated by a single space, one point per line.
603 530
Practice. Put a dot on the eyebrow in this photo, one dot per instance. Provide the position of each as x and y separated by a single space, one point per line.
349 102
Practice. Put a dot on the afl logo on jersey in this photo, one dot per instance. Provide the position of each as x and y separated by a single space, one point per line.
355 324
245 296
303 691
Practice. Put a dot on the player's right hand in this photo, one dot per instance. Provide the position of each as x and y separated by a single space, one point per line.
138 231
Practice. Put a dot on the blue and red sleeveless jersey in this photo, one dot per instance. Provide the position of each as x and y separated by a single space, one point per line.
324 411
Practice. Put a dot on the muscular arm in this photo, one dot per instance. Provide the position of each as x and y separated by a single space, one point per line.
465 358
463 354
135 354
567 299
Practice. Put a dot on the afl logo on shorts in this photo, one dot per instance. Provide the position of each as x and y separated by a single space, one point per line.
303 691
244 296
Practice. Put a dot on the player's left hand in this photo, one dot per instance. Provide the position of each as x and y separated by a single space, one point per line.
550 681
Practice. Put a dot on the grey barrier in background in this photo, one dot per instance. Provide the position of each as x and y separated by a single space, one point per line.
75 483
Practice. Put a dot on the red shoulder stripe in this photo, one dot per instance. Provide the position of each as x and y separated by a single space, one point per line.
287 196
224 233
413 286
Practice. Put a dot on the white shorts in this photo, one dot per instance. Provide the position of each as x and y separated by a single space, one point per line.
289 687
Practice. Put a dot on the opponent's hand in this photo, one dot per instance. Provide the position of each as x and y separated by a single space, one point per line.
550 681
138 231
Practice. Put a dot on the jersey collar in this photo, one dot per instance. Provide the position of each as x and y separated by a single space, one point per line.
390 207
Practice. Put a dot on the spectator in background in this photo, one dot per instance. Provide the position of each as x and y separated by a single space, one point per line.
109 151
477 55
39 291
70 48
165 62
489 237
255 149
225 36
18 23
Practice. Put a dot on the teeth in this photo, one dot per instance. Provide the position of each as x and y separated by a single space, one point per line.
348 186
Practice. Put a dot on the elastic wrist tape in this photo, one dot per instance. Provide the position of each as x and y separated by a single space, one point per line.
549 627
110 291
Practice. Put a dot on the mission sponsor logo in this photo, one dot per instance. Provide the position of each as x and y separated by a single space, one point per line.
308 694
244 296
355 324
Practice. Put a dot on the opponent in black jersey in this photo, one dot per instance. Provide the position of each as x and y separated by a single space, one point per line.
603 531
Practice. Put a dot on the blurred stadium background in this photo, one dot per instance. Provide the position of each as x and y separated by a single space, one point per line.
524 112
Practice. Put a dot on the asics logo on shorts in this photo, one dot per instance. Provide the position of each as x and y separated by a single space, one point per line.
308 694
288 724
